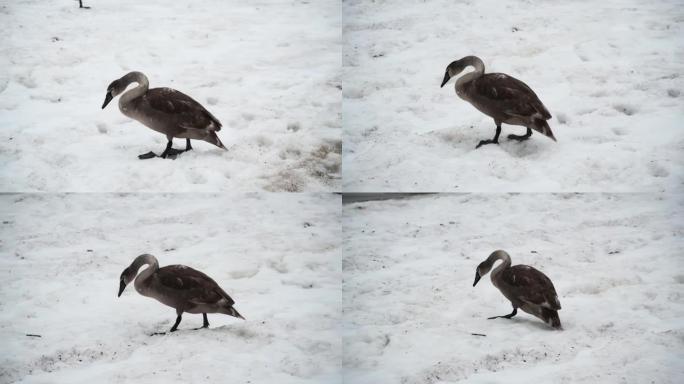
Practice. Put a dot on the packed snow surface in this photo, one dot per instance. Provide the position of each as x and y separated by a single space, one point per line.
410 310
277 255
270 72
610 73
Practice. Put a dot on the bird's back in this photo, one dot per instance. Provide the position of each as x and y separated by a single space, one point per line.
505 98
187 287
529 285
187 111
171 112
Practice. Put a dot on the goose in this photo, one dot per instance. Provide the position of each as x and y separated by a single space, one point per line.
179 287
166 111
526 288
502 97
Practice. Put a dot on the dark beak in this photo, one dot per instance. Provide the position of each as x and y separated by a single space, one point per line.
108 98
477 278
446 78
122 286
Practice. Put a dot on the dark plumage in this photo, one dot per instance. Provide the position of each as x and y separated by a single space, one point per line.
179 287
525 287
192 285
502 97
165 110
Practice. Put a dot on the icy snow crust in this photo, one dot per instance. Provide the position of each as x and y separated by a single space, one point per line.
270 72
277 255
609 72
615 261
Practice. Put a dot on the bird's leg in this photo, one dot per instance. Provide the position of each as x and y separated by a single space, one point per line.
167 149
173 329
515 311
206 322
188 147
172 153
169 152
175 326
521 137
495 140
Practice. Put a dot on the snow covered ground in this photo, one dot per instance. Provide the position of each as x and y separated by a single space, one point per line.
409 307
269 71
375 291
277 255
610 73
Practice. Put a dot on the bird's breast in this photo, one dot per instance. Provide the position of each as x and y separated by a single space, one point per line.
140 287
462 94
126 109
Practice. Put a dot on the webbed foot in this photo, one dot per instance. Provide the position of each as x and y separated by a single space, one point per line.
521 137
485 142
515 311
171 153
147 155
518 137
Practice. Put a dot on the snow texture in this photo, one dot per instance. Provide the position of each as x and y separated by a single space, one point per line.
369 291
277 255
410 310
609 72
270 72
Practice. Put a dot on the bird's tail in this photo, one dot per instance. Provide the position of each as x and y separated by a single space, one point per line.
232 312
214 139
551 318
542 127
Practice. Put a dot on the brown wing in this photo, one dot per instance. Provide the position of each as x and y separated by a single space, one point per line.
194 285
510 95
189 113
532 286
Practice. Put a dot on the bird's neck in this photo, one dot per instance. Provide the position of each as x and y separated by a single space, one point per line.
476 63
506 262
141 89
147 272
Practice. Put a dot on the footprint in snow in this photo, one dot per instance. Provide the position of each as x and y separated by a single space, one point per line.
625 109
657 170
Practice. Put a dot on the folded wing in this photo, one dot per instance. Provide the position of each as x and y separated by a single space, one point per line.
510 96
531 286
194 285
188 113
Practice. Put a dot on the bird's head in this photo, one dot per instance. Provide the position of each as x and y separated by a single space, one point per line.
113 90
452 70
126 277
481 270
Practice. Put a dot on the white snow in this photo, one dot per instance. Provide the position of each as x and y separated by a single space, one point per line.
277 255
260 68
368 292
409 307
609 72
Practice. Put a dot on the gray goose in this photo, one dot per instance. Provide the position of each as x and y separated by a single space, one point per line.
526 288
164 110
179 287
502 97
